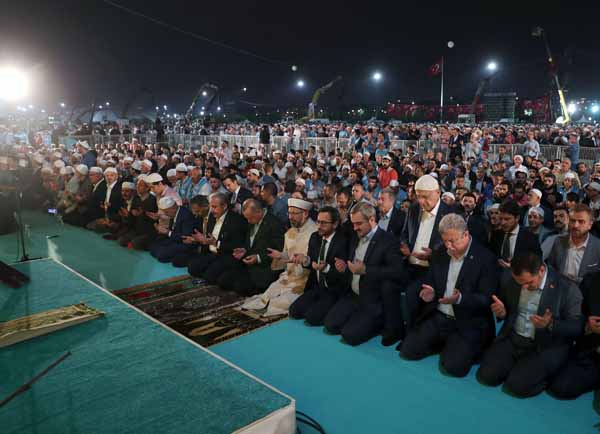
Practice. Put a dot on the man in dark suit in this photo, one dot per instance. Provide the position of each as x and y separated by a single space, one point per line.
512 238
371 306
223 232
542 316
418 240
111 204
581 374
237 193
578 253
454 315
142 233
391 219
170 241
325 285
93 208
475 222
247 270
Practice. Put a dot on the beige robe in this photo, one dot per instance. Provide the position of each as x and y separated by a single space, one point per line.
290 285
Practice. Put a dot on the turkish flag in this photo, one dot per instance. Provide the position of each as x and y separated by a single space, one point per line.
436 68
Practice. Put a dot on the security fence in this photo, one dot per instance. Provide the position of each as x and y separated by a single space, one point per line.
327 144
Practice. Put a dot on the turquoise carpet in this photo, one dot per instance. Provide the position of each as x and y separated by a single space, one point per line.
104 262
127 374
349 390
369 389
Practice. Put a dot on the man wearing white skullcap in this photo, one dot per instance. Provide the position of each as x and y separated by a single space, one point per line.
111 204
123 221
146 167
289 286
182 223
183 183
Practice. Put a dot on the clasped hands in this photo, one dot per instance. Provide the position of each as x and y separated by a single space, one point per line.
423 255
239 253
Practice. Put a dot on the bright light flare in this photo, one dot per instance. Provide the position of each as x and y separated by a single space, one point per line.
14 84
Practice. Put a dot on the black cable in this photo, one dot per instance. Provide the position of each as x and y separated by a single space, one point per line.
193 35
307 420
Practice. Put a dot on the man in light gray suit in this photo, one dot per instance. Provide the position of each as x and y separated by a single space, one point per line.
578 253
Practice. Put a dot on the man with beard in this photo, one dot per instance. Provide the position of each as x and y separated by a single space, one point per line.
387 172
289 286
561 227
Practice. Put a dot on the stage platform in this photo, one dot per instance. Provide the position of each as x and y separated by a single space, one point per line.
127 373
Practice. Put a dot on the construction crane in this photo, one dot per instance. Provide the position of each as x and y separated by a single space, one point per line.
539 32
312 106
206 90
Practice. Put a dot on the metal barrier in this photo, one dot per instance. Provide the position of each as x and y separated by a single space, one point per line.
327 144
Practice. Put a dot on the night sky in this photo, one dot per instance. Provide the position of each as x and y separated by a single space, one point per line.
78 50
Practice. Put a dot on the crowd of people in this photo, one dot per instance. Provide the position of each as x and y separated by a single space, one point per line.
426 250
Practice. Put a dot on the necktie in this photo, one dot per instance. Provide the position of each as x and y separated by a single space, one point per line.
505 253
233 198
321 260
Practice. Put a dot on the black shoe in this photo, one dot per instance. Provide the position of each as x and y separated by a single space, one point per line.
390 338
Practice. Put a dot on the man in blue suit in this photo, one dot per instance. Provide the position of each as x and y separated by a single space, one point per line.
170 241
454 317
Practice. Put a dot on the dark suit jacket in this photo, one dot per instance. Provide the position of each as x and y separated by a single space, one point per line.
477 281
183 224
94 203
478 229
413 221
587 343
115 203
243 194
232 233
382 261
396 223
143 224
270 235
526 241
561 296
589 263
336 282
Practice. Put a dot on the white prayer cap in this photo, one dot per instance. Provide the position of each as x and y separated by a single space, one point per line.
85 144
128 186
386 157
153 177
300 203
493 207
449 194
518 157
136 165
427 183
63 170
110 170
96 170
46 170
522 169
289 164
82 168
142 177
147 163
190 168
434 174
308 170
166 202
128 159
594 186
300 181
181 168
394 183
536 192
171 172
536 209
408 166
57 155
569 175
163 156
444 167
255 172
59 163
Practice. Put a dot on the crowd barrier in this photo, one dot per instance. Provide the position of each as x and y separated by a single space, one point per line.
328 144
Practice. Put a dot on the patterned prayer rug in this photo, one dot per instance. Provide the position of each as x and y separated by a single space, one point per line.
201 312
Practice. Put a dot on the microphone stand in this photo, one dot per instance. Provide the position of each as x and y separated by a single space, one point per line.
19 218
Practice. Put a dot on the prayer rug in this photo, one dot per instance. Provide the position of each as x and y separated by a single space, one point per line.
202 312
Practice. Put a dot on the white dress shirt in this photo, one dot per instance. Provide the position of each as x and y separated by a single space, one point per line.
453 271
424 235
574 258
529 302
384 221
216 231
